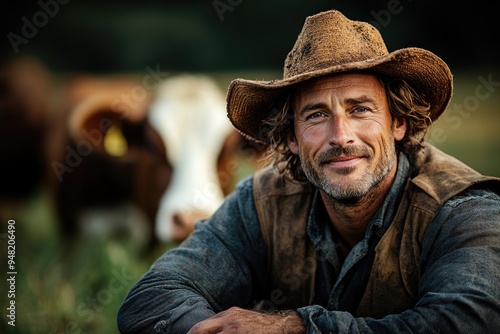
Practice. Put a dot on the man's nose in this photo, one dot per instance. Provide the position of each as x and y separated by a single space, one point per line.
341 131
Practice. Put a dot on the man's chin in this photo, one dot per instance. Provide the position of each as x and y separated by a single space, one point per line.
342 175
344 170
346 188
345 196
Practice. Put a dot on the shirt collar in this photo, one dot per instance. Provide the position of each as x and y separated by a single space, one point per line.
385 214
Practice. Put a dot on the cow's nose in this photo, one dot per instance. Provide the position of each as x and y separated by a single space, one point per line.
183 223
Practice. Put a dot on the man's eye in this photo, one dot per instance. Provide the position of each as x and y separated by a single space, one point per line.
360 110
314 115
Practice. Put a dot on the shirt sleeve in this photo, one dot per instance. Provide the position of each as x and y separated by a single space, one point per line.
218 266
459 289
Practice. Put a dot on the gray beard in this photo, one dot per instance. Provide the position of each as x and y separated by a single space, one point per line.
353 191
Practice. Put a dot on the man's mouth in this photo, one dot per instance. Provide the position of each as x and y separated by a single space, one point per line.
343 161
346 158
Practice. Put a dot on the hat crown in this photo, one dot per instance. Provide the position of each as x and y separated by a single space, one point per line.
330 39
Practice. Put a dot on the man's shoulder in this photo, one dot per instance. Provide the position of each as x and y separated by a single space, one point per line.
443 176
432 160
478 195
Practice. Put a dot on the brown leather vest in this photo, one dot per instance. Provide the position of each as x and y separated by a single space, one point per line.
283 207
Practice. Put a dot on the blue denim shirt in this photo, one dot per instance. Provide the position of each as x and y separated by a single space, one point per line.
224 263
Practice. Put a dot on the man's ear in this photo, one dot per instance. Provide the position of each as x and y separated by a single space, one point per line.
292 144
399 128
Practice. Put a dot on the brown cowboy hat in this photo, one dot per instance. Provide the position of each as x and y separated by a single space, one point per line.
331 43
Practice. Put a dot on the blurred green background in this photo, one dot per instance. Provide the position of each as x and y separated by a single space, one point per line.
78 287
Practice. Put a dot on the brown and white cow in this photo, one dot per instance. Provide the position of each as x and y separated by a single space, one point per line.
189 114
148 167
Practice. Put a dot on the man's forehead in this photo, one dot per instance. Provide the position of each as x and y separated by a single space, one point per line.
337 79
355 81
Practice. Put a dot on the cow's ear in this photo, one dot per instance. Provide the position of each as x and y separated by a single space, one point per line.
292 144
91 122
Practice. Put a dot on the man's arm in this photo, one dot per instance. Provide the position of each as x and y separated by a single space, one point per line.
220 265
459 290
241 321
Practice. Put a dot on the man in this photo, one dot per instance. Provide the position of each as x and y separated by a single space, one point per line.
358 226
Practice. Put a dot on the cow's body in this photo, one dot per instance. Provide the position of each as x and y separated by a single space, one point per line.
108 165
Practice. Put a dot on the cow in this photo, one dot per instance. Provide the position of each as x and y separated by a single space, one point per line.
25 89
107 165
189 114
147 168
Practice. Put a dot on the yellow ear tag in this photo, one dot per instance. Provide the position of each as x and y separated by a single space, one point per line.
115 143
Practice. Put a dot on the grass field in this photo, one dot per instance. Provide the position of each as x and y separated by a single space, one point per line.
470 128
78 287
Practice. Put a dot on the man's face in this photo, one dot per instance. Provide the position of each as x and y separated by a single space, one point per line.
344 134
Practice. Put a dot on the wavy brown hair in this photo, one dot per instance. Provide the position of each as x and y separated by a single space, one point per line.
404 102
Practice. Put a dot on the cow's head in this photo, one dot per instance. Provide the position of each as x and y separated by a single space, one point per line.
189 113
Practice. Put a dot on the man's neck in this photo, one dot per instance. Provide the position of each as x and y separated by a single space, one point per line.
351 219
